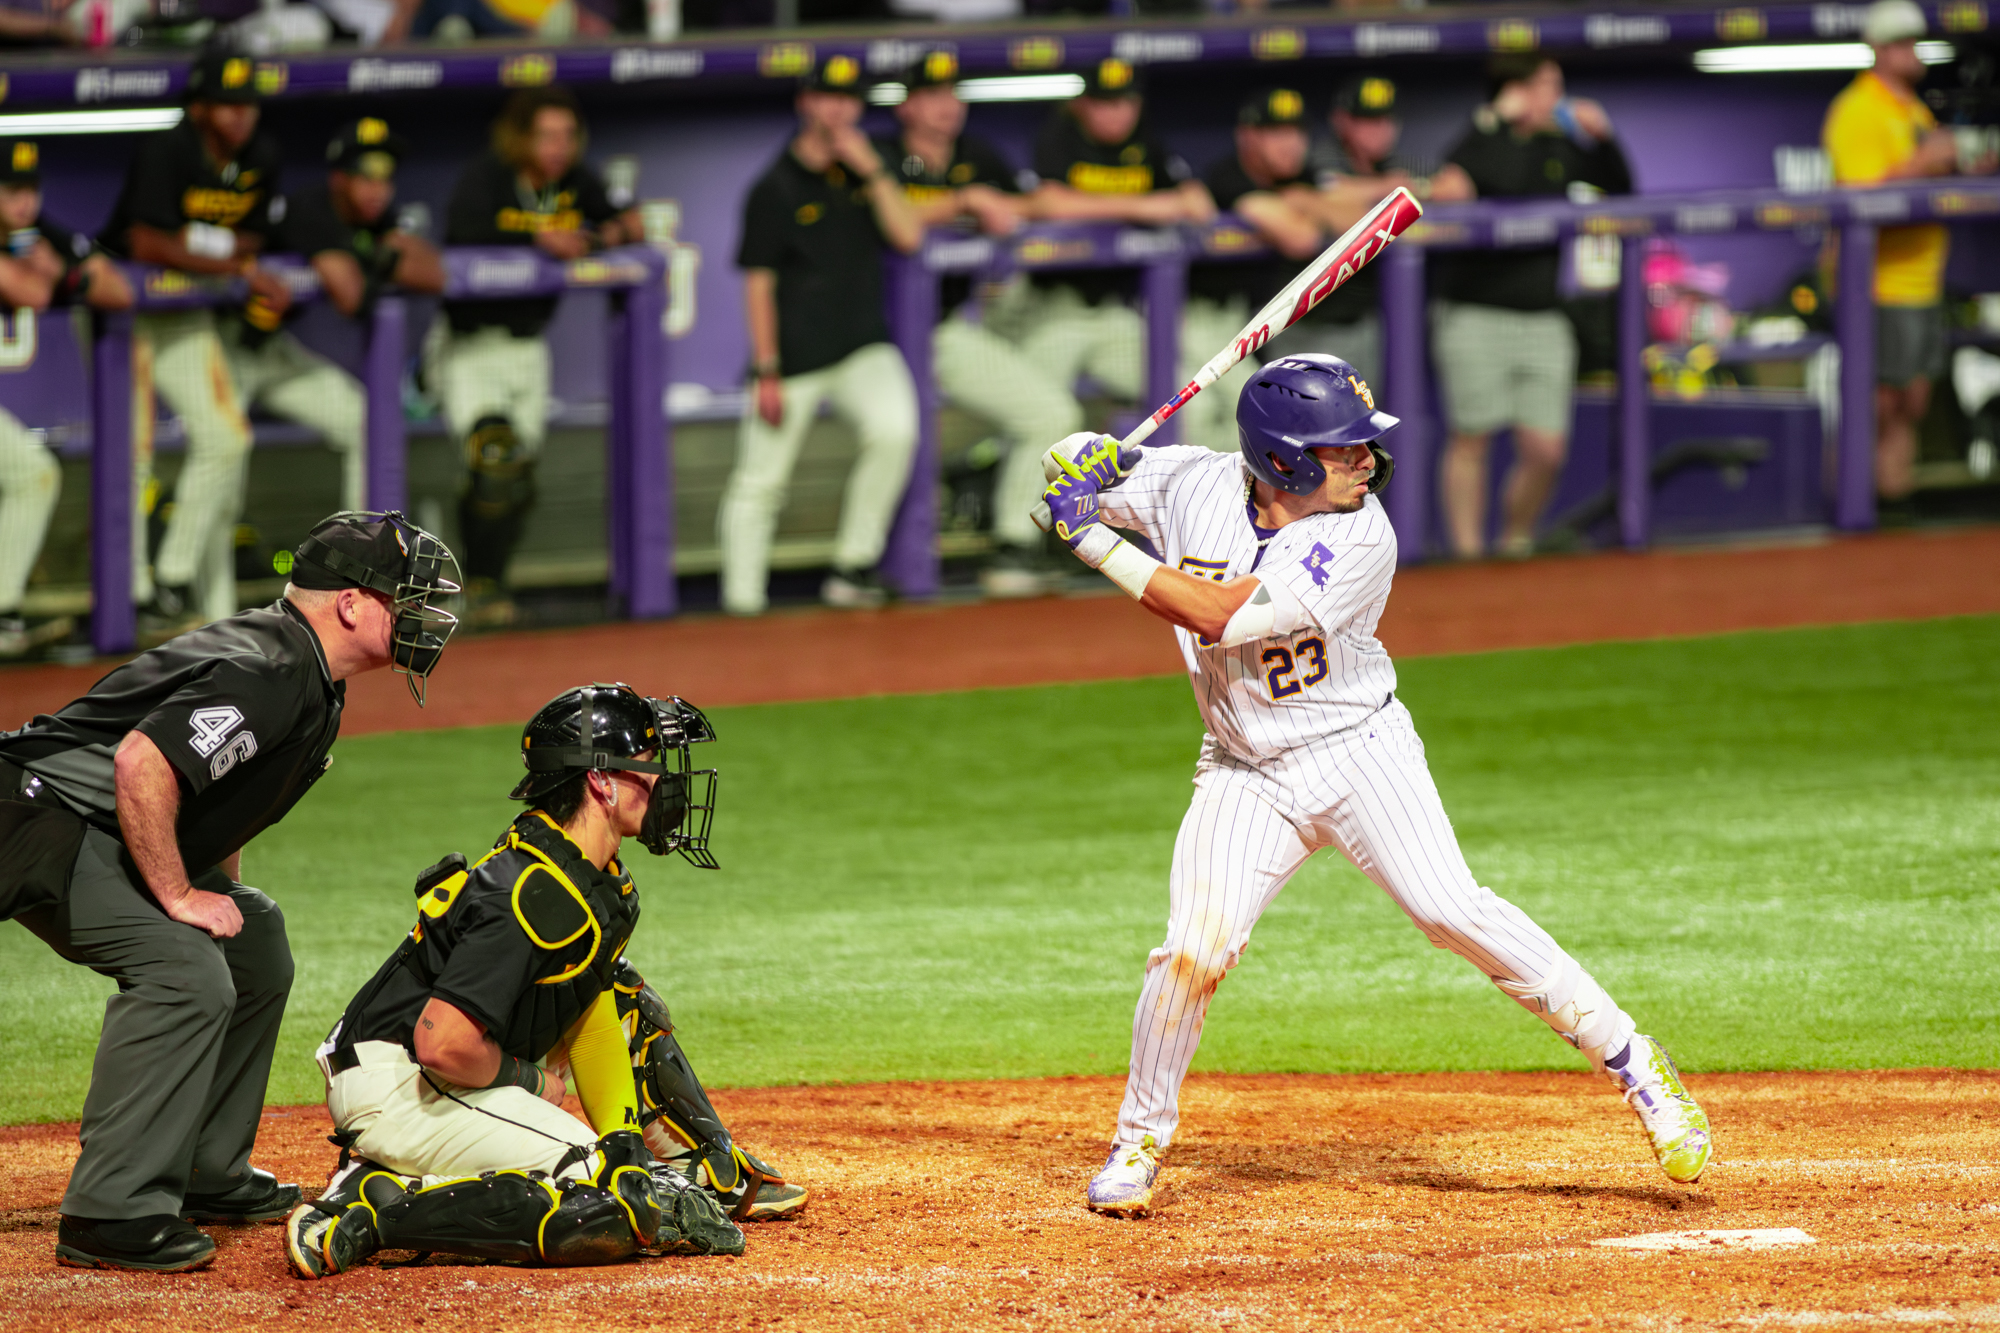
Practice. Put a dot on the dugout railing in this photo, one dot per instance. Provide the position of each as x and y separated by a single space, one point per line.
1164 254
639 479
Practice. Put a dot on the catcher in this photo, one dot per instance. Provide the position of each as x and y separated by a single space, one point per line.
452 1063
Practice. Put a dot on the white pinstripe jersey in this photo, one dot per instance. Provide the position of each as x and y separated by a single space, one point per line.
1269 696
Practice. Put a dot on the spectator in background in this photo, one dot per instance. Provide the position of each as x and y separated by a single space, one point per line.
1879 130
1353 171
344 228
1264 183
489 363
948 175
199 199
813 230
45 264
1506 352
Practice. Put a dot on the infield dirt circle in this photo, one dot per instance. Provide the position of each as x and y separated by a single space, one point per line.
1367 1202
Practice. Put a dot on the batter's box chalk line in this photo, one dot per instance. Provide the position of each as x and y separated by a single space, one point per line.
1764 1238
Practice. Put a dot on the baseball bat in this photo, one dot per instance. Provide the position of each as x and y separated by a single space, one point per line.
1357 246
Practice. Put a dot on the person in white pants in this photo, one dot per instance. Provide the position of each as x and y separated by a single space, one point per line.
1278 563
813 228
43 264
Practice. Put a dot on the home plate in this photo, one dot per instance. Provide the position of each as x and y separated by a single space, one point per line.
1762 1239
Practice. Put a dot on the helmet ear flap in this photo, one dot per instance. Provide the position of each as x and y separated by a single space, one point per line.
1385 468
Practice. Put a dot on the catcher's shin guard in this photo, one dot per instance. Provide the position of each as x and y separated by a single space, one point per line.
499 492
341 1228
681 1125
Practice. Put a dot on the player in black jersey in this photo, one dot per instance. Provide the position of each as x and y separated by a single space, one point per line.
489 364
346 227
453 1060
811 254
44 264
198 198
123 818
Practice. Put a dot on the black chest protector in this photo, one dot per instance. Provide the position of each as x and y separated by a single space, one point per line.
578 919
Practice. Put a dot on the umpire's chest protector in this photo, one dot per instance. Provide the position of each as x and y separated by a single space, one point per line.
576 918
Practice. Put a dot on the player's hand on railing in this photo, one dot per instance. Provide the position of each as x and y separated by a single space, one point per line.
563 244
996 214
267 287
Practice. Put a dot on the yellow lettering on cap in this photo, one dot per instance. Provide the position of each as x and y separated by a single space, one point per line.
371 130
235 72
940 65
842 70
1287 105
26 157
1377 94
1113 73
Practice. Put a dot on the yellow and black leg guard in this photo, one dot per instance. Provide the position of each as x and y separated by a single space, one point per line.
681 1125
499 492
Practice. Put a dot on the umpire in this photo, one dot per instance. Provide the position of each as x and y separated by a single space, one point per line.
123 818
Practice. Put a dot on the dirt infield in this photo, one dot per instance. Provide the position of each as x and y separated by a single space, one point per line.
1290 1202
914 649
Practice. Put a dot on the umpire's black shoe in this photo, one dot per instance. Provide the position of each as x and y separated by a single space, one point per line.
258 1199
157 1244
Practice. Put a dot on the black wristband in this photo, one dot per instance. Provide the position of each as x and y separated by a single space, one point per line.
519 1074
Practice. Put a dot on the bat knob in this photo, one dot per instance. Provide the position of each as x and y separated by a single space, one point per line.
1041 516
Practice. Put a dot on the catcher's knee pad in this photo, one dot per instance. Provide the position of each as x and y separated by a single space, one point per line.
499 492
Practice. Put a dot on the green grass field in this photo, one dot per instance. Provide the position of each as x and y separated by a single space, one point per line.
1779 850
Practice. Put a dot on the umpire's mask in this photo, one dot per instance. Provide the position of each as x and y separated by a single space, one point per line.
387 553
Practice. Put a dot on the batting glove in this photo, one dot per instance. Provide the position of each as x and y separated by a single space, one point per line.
1071 505
1089 451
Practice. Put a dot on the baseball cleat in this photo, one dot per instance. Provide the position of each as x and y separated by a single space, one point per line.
1675 1124
1124 1188
775 1202
305 1240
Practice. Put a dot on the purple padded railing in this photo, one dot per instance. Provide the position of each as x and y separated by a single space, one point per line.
639 478
1164 253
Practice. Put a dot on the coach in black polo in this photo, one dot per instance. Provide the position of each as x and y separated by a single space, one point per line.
123 818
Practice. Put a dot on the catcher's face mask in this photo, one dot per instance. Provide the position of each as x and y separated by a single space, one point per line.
683 802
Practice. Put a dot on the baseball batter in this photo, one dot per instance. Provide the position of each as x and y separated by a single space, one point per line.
199 199
1277 565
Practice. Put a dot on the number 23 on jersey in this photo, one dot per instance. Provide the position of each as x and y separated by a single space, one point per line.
1300 667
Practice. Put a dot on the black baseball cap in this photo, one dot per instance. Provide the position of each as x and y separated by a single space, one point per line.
1273 106
20 162
354 550
367 147
1112 77
935 69
837 74
223 76
1371 95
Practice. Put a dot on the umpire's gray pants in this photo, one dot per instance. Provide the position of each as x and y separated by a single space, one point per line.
178 1084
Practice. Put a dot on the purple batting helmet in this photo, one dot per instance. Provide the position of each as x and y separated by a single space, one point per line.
1299 403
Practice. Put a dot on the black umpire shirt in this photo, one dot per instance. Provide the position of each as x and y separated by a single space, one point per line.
491 205
973 162
1140 165
1256 280
173 182
244 709
1504 165
817 232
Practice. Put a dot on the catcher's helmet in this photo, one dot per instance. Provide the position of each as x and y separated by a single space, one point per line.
596 727
1299 403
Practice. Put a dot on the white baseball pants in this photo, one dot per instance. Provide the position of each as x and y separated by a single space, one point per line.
490 373
1244 836
984 373
422 1126
30 479
179 357
289 380
872 390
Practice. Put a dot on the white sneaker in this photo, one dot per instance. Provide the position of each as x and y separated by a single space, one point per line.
1124 1188
1675 1124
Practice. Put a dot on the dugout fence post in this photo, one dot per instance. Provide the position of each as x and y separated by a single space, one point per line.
383 435
1635 444
910 559
113 621
1407 395
1163 284
639 475
1854 325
